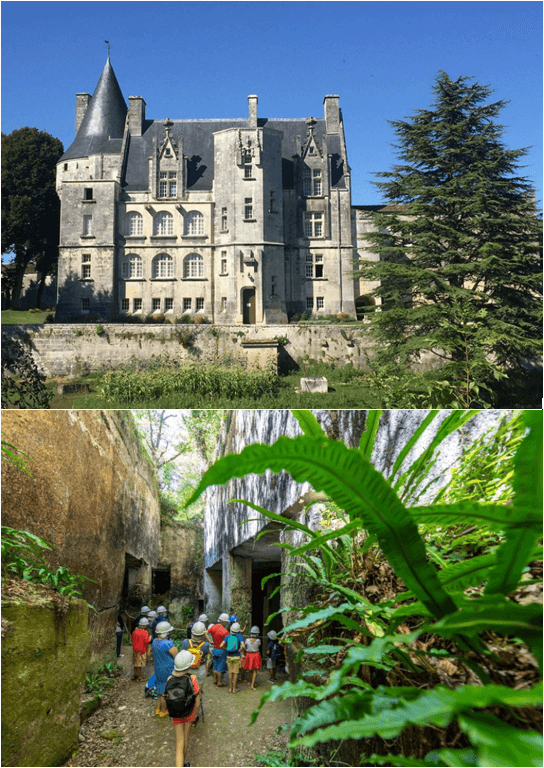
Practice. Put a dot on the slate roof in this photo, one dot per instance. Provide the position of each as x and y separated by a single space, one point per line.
101 130
198 148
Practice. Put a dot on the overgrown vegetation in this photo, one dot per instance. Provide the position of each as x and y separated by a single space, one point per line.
194 381
23 384
23 552
404 630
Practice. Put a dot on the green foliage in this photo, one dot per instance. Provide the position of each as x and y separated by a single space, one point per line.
346 706
30 204
459 270
23 384
195 381
100 330
13 455
23 556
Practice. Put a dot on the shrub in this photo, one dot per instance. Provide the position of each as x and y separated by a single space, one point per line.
23 384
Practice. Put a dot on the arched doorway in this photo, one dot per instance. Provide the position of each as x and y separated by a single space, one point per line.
248 305
363 304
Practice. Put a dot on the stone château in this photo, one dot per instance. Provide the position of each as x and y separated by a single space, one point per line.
241 221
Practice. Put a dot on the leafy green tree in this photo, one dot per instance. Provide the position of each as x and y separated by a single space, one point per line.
459 245
30 205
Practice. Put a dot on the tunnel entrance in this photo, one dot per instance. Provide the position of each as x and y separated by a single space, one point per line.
263 601
161 581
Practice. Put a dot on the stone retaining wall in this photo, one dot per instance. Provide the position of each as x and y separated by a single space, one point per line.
74 349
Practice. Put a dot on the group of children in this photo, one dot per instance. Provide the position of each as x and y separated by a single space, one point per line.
178 675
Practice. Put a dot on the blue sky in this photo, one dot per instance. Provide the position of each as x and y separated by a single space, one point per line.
202 59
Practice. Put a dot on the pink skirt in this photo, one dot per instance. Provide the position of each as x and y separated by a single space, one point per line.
253 660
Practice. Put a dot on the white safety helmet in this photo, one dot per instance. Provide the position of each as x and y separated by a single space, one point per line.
223 617
143 622
144 609
254 630
272 635
198 629
183 661
151 615
234 628
161 609
203 617
163 628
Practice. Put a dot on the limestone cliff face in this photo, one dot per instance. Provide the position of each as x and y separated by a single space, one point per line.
93 495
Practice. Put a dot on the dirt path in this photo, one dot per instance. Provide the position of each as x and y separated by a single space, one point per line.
224 739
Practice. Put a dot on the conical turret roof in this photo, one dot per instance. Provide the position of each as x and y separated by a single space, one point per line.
103 121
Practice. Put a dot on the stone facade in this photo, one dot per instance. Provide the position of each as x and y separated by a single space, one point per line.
244 221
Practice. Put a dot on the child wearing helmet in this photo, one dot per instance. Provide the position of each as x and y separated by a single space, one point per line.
252 661
164 651
276 657
234 649
199 647
182 725
140 643
216 634
144 614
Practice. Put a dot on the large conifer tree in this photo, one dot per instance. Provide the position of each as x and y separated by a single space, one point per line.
459 245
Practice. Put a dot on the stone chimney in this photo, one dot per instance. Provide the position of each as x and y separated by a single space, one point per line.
332 114
82 102
136 115
252 102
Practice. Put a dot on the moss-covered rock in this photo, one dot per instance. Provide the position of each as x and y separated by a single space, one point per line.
44 659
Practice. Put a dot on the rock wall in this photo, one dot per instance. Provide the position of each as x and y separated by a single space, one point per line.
93 495
72 350
181 552
43 672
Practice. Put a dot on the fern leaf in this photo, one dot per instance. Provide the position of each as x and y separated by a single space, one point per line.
308 423
397 708
355 486
500 744
368 438
495 516
512 557
505 618
527 481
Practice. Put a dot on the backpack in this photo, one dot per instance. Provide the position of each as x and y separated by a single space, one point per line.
196 650
233 644
180 696
277 653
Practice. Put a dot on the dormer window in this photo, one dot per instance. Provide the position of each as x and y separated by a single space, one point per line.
167 184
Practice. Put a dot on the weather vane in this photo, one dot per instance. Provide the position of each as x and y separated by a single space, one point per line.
108 44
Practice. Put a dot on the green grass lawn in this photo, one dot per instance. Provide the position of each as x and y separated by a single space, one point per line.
15 317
